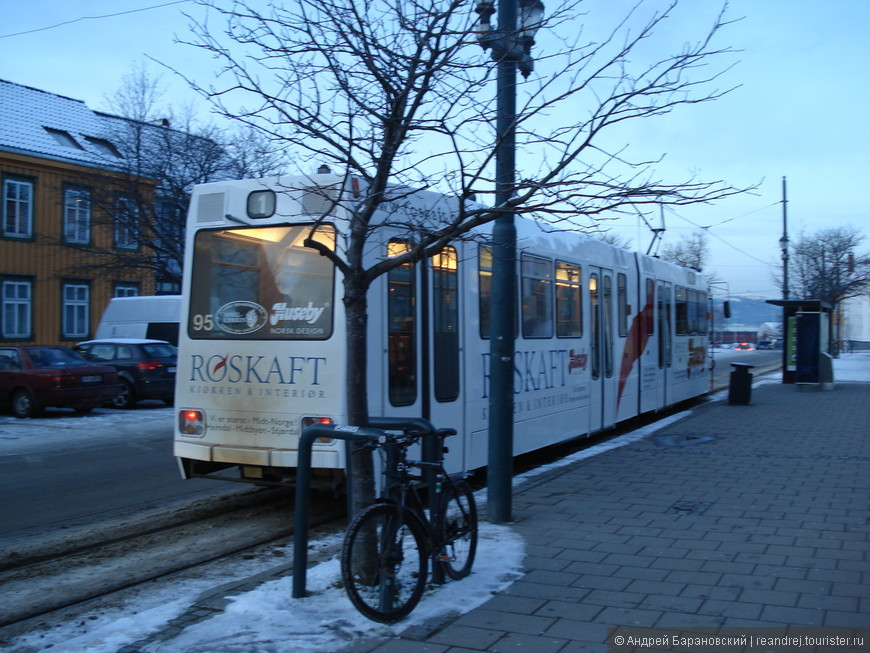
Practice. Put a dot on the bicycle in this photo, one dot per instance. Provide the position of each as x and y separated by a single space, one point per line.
387 547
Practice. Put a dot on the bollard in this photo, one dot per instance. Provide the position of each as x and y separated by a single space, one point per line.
740 386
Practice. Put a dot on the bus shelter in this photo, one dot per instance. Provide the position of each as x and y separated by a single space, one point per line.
806 359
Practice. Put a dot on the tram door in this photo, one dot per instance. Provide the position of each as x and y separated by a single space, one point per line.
664 342
601 343
649 358
423 348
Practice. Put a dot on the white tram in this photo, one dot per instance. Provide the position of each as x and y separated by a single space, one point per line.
603 334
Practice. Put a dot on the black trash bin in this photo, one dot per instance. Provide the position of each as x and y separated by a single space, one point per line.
740 387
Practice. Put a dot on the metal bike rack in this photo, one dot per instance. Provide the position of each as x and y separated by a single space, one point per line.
379 427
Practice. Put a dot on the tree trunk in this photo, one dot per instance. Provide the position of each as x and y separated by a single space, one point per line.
361 480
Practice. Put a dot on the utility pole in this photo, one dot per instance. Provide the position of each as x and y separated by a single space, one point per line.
783 243
511 45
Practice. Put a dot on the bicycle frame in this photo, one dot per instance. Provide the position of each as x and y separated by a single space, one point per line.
403 489
385 575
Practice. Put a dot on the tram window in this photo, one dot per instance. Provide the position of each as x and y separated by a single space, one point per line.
695 312
622 303
262 283
569 322
537 294
650 301
595 322
607 327
445 324
401 329
484 277
681 311
664 325
702 312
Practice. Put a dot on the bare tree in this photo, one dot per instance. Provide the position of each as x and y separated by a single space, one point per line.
400 95
692 251
153 155
613 239
826 265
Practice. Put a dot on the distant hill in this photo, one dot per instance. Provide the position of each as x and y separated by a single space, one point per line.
749 312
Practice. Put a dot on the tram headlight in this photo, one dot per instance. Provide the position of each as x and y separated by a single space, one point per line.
191 422
311 421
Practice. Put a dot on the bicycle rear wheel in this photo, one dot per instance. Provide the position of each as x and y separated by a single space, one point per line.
383 562
458 529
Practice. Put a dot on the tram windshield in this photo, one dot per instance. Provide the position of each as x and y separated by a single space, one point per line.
262 284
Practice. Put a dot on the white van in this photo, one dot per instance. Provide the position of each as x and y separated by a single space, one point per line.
153 316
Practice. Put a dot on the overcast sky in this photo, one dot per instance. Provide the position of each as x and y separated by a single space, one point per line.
800 112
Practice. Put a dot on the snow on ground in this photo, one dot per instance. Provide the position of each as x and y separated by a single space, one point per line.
852 368
64 427
268 618
326 620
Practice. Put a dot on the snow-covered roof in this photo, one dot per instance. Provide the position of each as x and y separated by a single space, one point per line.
52 126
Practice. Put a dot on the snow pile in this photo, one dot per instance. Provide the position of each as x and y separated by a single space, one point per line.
852 368
326 620
267 618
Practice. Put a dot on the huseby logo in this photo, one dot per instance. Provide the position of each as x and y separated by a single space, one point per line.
282 312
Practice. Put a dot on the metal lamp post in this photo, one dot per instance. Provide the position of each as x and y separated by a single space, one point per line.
511 49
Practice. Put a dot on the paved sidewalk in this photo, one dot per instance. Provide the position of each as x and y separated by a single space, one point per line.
744 516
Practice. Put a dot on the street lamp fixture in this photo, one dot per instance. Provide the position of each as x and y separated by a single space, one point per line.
511 43
531 15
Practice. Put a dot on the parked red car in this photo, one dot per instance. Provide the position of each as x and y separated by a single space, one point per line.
35 377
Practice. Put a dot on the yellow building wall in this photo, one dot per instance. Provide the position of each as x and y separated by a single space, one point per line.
48 261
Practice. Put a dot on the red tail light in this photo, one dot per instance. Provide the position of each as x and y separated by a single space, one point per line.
311 421
149 366
191 422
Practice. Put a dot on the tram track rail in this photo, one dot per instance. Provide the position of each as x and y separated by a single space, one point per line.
39 578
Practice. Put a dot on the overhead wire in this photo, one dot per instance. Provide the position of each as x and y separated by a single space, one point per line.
81 18
708 228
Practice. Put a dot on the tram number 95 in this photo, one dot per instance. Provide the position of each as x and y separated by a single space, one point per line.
203 322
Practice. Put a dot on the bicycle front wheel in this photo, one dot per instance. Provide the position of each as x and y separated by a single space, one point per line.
383 562
458 529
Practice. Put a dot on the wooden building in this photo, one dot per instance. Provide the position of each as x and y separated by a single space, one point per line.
64 206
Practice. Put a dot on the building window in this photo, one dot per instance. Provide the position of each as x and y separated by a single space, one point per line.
62 138
126 290
163 287
76 310
17 309
126 223
77 215
104 147
17 208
